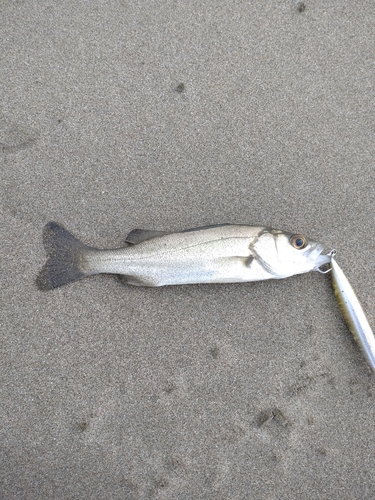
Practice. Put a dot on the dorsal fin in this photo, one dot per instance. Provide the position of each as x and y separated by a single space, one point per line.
202 228
139 235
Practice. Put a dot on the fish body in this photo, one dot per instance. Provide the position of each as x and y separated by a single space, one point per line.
353 313
224 253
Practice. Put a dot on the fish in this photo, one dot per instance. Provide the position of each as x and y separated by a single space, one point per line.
223 253
354 315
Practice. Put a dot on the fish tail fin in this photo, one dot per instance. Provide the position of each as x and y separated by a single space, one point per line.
64 258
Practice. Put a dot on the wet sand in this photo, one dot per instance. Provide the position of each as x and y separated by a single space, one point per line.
171 115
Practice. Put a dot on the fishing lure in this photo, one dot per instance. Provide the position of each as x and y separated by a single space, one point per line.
352 310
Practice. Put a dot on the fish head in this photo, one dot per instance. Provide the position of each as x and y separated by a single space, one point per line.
284 254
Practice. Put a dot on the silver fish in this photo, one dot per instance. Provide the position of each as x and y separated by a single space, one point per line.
353 312
223 253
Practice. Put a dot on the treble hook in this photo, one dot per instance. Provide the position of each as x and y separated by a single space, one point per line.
331 254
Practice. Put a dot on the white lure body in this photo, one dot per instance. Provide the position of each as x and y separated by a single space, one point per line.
353 313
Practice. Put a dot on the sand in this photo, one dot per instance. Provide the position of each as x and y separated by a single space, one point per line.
169 115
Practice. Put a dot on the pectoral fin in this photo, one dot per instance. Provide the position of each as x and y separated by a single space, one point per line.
139 235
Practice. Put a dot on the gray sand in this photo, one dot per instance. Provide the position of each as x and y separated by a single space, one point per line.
170 115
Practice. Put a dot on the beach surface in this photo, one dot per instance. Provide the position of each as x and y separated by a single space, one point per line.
171 115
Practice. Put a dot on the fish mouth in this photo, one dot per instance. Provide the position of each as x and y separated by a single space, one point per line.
315 254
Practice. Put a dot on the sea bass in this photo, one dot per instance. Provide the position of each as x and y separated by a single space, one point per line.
224 253
353 313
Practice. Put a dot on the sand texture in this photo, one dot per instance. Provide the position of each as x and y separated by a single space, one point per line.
169 115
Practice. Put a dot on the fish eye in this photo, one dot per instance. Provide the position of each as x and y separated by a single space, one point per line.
298 241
